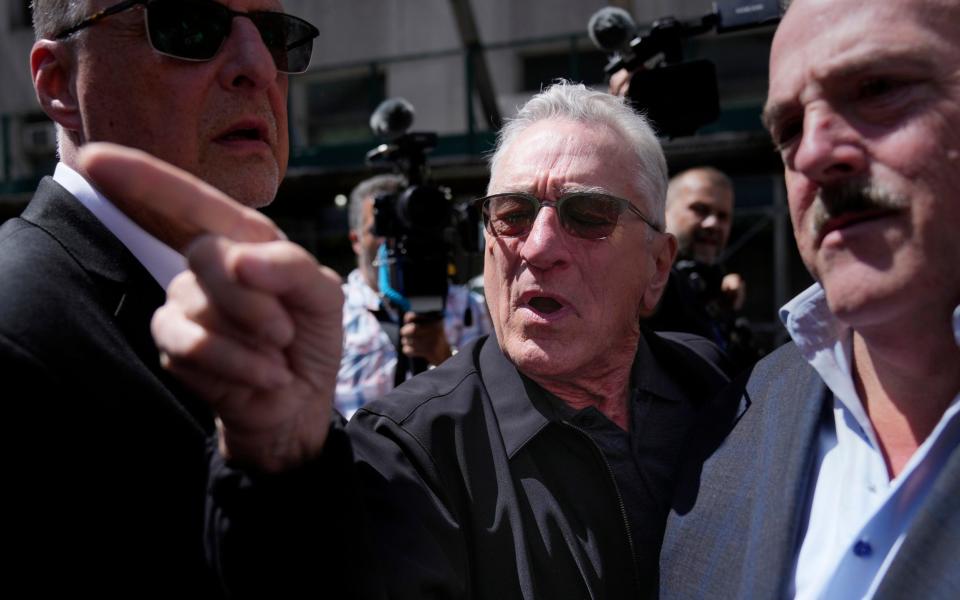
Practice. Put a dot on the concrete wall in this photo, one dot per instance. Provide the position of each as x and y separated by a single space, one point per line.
366 30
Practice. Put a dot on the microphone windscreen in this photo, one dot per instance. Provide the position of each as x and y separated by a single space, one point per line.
392 118
611 28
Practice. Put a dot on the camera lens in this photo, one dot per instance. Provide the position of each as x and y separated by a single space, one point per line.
423 209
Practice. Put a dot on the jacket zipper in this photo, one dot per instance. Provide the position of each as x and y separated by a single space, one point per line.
623 508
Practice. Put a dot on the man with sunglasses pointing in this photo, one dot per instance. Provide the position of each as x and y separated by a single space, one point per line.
536 463
107 459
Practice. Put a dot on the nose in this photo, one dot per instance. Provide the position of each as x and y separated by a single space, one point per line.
830 148
248 63
546 244
710 222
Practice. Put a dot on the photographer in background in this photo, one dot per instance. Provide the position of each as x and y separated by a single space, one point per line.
700 298
700 214
373 330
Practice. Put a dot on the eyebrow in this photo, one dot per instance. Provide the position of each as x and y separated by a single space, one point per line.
569 188
893 62
774 113
573 188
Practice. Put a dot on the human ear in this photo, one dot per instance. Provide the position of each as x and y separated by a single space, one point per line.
664 252
355 242
51 64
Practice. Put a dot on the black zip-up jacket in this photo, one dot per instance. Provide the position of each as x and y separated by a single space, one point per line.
460 484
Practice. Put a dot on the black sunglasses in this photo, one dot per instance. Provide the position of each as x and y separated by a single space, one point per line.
587 215
195 30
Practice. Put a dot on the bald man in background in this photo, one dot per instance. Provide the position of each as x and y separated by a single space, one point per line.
700 298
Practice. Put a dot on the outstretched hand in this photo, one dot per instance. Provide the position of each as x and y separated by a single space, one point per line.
254 326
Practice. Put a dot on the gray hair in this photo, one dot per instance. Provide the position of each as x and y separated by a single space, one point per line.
50 17
576 102
368 189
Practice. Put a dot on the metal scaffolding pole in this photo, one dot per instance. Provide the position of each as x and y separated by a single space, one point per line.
478 71
782 238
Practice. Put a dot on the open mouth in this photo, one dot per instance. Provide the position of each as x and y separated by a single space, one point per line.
245 130
545 305
246 134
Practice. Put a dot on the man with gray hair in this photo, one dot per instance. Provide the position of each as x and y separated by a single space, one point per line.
107 454
538 463
379 339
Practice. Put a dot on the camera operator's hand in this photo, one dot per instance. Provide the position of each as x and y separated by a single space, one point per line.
620 82
254 327
734 290
425 339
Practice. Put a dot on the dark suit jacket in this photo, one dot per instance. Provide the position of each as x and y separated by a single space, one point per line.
738 520
106 467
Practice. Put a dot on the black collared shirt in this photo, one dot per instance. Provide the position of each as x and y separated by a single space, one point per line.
643 461
468 481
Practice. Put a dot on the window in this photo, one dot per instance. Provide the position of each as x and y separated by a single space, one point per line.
584 66
338 110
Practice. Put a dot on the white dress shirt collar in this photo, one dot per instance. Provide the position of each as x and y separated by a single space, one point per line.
160 260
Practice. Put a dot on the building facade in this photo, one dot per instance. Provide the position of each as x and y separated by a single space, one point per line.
465 65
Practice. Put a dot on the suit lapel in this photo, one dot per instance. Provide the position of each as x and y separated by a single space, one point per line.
126 289
98 251
790 437
735 523
140 297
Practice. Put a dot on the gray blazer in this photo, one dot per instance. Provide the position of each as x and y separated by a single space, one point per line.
740 512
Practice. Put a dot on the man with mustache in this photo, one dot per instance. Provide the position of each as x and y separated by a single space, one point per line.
841 471
106 454
536 463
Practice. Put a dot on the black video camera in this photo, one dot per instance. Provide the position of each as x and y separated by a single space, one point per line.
677 96
421 226
704 281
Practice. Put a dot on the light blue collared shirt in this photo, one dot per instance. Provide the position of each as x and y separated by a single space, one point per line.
858 517
161 261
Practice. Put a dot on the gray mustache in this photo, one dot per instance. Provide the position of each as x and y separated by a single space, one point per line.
858 195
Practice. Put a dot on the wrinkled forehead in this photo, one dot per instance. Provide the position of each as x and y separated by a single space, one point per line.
821 27
699 184
816 18
238 5
553 156
714 197
250 5
824 41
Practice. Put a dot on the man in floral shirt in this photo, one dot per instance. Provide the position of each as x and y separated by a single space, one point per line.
369 364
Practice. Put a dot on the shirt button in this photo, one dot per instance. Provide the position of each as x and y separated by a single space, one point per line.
862 549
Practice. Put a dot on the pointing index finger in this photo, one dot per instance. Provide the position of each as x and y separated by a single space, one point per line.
173 205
